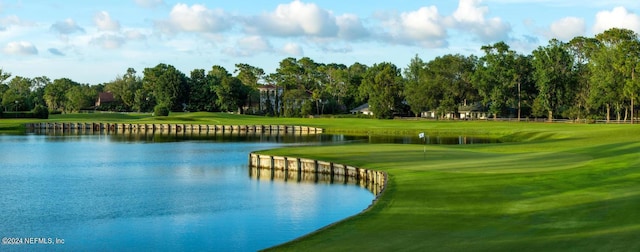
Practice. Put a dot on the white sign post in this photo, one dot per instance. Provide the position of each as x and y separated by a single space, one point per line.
424 149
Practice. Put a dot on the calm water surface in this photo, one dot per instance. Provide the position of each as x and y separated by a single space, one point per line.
109 193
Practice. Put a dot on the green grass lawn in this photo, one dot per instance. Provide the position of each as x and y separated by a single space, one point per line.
559 187
547 187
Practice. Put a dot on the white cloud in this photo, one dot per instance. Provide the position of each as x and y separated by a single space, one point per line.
249 46
149 3
109 41
619 17
330 48
469 12
351 27
20 48
68 26
424 23
104 22
293 49
13 20
134 35
196 18
424 27
470 16
295 19
568 28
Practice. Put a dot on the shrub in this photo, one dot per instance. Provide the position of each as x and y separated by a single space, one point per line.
41 112
160 110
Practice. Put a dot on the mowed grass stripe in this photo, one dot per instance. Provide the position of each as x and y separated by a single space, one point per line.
574 190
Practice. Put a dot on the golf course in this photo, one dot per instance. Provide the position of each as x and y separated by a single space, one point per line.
543 187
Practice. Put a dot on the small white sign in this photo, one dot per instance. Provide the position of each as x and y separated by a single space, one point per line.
421 135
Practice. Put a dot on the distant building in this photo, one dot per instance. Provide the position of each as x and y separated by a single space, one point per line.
104 98
473 111
465 112
270 96
362 109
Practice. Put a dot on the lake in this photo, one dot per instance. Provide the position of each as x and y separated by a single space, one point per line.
149 193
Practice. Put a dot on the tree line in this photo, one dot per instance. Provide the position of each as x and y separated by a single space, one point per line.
585 78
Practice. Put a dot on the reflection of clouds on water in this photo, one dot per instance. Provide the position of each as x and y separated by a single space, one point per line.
97 192
292 205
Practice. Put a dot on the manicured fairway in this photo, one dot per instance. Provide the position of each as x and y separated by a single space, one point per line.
563 187
548 187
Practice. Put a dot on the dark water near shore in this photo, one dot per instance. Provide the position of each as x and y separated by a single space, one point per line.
114 193
277 137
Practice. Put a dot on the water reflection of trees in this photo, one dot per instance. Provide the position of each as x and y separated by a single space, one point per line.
164 136
313 177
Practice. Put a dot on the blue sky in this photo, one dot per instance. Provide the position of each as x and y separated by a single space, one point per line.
95 41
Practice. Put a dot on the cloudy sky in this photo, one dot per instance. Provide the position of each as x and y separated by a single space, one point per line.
95 41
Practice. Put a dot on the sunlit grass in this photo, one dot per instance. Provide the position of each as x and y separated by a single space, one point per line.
561 187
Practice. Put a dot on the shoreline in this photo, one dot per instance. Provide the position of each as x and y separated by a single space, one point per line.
284 168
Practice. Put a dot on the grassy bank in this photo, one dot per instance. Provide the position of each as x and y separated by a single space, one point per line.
551 187
562 187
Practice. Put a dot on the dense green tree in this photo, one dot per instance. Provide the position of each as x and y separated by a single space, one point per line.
168 86
18 95
613 66
144 100
292 78
271 106
354 98
290 74
230 90
526 86
415 91
201 97
4 76
587 77
384 85
312 84
626 48
335 78
293 103
217 74
79 97
55 94
452 75
37 93
495 78
554 77
124 88
311 78
3 87
442 84
250 76
582 49
232 94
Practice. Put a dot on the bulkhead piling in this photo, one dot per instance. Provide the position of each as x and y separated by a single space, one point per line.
171 128
301 169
